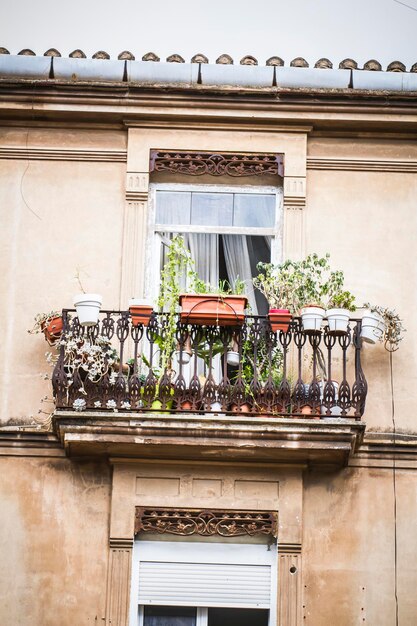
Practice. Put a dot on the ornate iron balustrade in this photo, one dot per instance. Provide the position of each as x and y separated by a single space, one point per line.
116 365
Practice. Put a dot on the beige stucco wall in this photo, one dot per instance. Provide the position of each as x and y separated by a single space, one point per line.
60 215
58 218
56 523
349 547
54 541
367 221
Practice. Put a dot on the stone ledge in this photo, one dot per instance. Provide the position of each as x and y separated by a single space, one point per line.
222 438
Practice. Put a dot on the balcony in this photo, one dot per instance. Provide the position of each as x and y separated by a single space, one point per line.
276 395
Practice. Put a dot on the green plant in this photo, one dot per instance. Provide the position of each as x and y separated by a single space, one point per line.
269 360
393 326
179 276
336 296
87 358
294 284
342 300
42 320
313 275
279 284
178 267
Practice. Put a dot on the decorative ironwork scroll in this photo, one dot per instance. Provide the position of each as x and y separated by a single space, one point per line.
199 163
187 522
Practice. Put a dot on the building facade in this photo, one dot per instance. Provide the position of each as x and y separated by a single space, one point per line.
113 513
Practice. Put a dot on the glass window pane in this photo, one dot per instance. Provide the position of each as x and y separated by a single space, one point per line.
253 209
238 617
212 209
169 616
173 207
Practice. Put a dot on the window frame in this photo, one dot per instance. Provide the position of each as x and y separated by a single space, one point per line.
226 552
152 245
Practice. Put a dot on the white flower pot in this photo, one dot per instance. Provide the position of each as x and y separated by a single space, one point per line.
372 327
312 318
335 411
338 320
88 307
182 358
233 358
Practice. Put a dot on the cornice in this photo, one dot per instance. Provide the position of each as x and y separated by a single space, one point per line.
365 165
289 548
62 154
272 106
387 451
18 442
377 450
187 124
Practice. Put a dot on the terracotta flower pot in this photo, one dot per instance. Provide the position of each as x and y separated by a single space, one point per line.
279 319
210 310
307 410
140 311
244 408
53 330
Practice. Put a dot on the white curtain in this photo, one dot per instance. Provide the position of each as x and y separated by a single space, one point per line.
241 255
238 264
204 250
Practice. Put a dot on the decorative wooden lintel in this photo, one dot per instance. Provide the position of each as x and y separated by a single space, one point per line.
206 523
216 164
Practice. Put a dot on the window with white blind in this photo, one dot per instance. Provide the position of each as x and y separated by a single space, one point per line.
203 584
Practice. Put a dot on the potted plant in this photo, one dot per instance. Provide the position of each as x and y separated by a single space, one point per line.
184 352
221 305
86 358
334 410
312 275
140 310
318 285
177 267
278 285
232 356
262 375
382 324
340 304
50 324
88 307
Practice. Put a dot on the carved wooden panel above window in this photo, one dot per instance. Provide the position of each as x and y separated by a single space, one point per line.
206 523
215 164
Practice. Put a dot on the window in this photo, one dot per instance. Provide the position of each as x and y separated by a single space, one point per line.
203 584
228 230
186 616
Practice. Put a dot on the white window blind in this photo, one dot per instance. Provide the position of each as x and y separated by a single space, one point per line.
205 574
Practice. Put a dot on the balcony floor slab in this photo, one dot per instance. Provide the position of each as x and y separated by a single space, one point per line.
321 442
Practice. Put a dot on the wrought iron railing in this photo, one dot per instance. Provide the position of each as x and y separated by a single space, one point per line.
121 366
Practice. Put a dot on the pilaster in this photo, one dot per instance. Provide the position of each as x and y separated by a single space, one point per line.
118 583
289 584
294 207
134 234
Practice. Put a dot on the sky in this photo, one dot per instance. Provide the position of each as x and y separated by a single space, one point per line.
336 29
